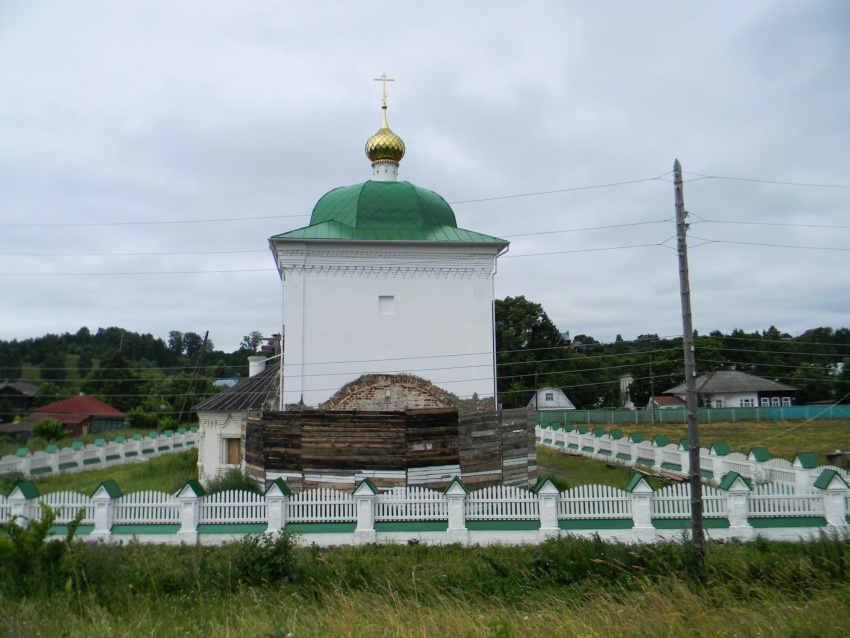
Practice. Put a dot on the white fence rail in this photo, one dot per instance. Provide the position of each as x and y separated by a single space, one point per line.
147 508
674 501
780 499
411 504
233 506
501 502
594 501
67 505
101 454
322 505
714 464
498 514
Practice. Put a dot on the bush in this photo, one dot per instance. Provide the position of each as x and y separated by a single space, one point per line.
50 430
232 479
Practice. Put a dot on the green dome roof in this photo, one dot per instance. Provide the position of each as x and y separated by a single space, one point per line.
384 206
385 211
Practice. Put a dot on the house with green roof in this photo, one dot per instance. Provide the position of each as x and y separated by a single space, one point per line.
384 280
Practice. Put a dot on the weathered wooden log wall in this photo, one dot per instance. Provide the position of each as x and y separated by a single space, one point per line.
318 448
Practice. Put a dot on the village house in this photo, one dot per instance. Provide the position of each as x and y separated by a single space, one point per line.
550 399
80 415
736 389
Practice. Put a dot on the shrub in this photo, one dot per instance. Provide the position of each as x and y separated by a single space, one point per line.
232 479
49 429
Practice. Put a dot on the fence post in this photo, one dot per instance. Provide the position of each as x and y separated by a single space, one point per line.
364 497
190 496
641 493
277 500
455 494
53 451
835 493
737 505
24 455
104 509
547 497
23 499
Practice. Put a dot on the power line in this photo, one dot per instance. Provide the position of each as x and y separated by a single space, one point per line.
560 190
727 221
751 243
150 223
768 181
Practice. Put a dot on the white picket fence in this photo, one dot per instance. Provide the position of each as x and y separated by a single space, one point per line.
501 502
497 514
594 501
233 506
102 454
411 504
322 505
781 499
674 501
603 446
67 505
146 508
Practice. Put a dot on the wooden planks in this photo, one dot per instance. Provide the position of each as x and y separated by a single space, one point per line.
339 448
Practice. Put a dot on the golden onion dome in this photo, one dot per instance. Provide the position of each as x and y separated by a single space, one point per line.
385 146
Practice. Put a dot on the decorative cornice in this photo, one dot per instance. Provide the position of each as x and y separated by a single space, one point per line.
385 272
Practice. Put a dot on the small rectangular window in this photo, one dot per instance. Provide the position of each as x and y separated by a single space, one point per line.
550 396
774 401
765 402
786 401
232 451
386 305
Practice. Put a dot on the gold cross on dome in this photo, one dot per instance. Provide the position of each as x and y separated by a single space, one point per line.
383 80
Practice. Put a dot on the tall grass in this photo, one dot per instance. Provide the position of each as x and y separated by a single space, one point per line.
268 586
672 609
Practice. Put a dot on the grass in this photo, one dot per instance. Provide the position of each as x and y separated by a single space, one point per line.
784 439
565 587
166 473
672 610
568 471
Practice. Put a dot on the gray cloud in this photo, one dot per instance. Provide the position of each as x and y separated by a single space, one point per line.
156 112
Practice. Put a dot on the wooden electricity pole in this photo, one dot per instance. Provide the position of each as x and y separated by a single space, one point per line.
694 474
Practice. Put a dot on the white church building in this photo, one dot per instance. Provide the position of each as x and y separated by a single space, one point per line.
383 280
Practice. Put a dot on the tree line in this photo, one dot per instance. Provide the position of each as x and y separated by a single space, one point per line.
148 377
531 353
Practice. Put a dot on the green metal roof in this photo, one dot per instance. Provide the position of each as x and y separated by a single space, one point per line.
826 477
385 211
721 448
729 480
760 454
807 460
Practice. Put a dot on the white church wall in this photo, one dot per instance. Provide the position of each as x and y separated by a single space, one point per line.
215 430
423 309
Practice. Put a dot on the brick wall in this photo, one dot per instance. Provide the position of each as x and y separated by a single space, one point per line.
389 392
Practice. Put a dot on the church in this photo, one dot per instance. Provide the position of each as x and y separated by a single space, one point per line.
388 368
383 280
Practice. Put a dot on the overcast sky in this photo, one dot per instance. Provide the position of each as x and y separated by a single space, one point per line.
148 150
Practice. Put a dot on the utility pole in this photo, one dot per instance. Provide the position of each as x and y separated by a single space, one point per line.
694 474
652 389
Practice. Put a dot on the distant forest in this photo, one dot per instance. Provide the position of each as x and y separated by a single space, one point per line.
150 378
144 376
